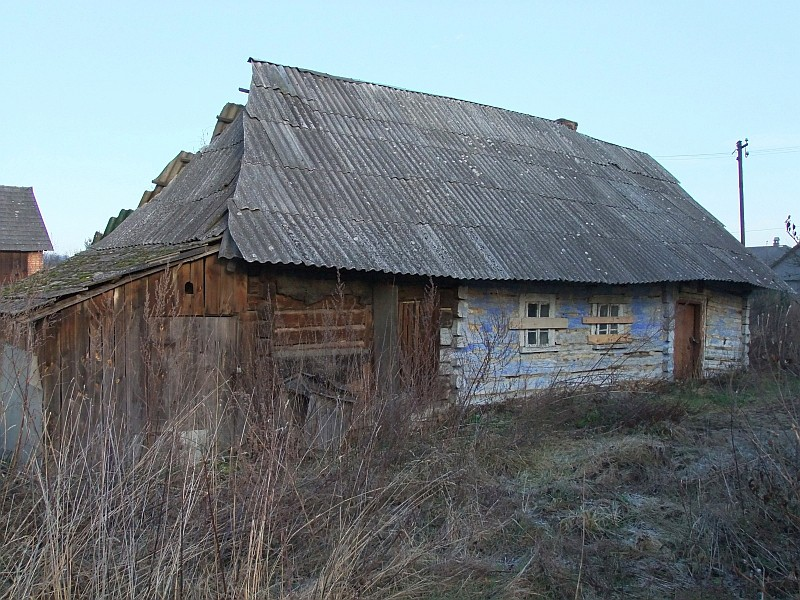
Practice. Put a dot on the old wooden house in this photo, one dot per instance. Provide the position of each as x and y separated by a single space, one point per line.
23 236
299 251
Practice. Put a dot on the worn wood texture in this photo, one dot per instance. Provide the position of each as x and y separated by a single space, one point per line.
138 354
688 340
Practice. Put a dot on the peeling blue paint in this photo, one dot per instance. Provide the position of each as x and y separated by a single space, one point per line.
491 351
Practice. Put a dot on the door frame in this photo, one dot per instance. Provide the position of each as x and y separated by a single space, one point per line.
698 333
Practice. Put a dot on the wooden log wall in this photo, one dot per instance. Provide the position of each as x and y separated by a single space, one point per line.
487 358
312 324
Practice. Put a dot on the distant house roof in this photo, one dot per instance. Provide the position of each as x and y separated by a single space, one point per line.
784 260
21 226
769 255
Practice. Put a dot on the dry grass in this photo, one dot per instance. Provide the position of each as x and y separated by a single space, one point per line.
685 492
701 506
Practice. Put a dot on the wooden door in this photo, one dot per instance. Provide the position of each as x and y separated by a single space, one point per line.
688 341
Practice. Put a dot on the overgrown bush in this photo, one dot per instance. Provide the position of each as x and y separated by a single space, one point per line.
775 331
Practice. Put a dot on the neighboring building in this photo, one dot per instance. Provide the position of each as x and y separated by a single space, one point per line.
784 260
301 241
23 236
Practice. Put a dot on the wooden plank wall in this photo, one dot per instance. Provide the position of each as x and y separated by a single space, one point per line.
122 355
16 265
142 352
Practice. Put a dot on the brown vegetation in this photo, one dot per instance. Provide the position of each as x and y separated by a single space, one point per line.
661 491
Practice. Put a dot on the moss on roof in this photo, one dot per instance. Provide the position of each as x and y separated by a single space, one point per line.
91 268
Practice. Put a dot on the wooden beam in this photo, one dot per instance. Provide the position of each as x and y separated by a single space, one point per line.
538 323
613 338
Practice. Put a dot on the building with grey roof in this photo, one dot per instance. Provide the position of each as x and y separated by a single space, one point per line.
23 235
384 239
783 260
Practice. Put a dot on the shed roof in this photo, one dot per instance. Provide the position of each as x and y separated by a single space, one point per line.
331 172
21 226
93 268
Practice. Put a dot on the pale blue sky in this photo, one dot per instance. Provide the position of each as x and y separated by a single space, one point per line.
98 96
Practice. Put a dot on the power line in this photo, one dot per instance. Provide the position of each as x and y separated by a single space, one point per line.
721 155
767 229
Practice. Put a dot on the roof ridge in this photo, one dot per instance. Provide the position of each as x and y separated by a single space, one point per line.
252 60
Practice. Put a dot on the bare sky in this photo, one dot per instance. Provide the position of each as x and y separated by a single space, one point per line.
97 97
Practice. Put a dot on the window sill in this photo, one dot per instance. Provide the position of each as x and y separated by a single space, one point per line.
533 350
613 339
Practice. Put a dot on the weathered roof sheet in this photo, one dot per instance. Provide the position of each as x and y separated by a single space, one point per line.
769 255
193 205
347 174
90 269
21 226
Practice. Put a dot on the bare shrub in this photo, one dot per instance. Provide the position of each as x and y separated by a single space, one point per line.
765 535
775 332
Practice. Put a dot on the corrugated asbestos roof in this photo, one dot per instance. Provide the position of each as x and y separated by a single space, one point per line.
347 174
21 226
194 204
331 172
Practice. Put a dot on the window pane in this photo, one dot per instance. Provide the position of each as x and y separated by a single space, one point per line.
544 309
613 328
615 310
533 309
602 329
603 310
544 337
532 337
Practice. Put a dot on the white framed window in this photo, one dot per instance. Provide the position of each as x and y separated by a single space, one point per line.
610 320
608 310
539 308
537 324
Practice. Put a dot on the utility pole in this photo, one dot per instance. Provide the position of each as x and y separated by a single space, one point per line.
739 148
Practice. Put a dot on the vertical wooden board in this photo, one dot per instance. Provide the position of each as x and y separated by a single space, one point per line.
47 338
85 396
240 294
183 280
214 275
62 366
69 359
110 392
118 389
198 278
93 361
134 323
234 293
687 340
160 296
